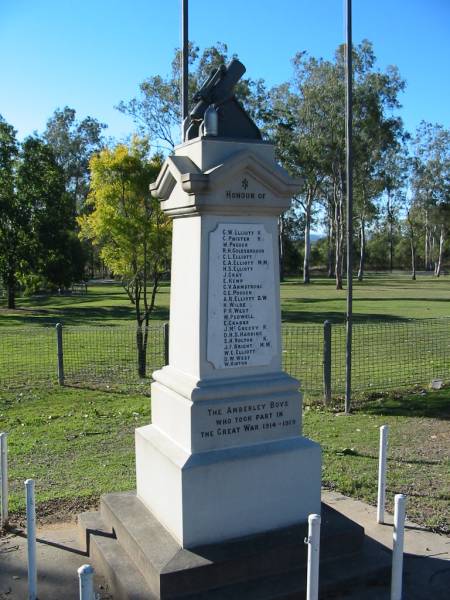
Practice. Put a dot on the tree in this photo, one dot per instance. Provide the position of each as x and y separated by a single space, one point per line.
54 250
308 122
394 174
156 111
431 186
73 143
296 130
13 216
129 228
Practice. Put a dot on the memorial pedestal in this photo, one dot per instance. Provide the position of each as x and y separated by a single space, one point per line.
224 456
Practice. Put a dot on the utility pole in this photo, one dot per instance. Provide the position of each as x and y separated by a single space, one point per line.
349 186
184 64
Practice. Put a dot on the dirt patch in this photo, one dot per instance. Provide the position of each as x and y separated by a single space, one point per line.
56 511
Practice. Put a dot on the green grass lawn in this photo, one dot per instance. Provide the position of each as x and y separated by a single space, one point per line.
418 456
104 304
78 444
378 298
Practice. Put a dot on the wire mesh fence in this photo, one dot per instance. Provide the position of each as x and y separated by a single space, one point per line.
109 354
386 355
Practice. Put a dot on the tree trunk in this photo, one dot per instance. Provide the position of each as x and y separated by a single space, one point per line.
11 295
413 250
141 339
413 260
362 254
441 252
330 249
307 257
338 242
391 241
427 265
281 247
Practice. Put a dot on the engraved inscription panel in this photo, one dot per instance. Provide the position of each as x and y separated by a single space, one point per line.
241 303
222 423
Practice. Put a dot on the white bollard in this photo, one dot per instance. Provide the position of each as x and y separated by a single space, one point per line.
384 430
4 479
86 576
397 549
31 539
313 541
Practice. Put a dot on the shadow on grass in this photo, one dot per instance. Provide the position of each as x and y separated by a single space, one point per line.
435 405
298 316
375 457
82 315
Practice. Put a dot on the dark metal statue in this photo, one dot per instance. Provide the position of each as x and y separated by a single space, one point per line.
216 111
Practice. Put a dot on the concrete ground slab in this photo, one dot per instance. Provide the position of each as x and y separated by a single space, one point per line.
59 555
426 563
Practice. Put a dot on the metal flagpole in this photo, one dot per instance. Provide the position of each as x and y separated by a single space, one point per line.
184 64
349 186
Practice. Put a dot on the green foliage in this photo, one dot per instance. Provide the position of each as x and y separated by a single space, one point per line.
13 216
54 251
125 222
37 241
307 121
128 226
73 143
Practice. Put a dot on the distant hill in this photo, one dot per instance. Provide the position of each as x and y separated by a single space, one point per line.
316 237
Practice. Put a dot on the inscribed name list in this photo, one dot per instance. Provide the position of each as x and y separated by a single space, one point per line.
241 303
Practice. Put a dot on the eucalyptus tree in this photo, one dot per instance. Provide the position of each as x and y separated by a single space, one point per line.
73 143
431 186
297 129
308 123
394 173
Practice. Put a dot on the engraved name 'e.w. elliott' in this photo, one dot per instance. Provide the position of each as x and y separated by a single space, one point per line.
241 303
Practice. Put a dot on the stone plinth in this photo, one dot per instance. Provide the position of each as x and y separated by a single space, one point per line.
224 456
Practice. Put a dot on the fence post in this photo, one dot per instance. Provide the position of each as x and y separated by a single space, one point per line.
86 577
327 362
313 541
31 539
397 549
59 346
384 430
4 478
166 343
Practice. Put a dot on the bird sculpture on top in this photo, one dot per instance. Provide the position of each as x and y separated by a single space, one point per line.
216 111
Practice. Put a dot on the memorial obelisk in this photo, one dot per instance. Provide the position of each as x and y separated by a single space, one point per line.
224 456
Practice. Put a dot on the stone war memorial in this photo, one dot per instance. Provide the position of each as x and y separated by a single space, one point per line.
225 480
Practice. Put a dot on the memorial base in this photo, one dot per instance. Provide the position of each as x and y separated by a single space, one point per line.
141 560
216 495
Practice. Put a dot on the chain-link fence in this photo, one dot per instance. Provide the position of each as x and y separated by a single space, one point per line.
386 355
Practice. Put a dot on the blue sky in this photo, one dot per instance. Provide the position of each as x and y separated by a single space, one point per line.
90 54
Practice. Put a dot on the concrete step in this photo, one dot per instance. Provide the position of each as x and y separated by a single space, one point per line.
338 578
272 561
109 558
